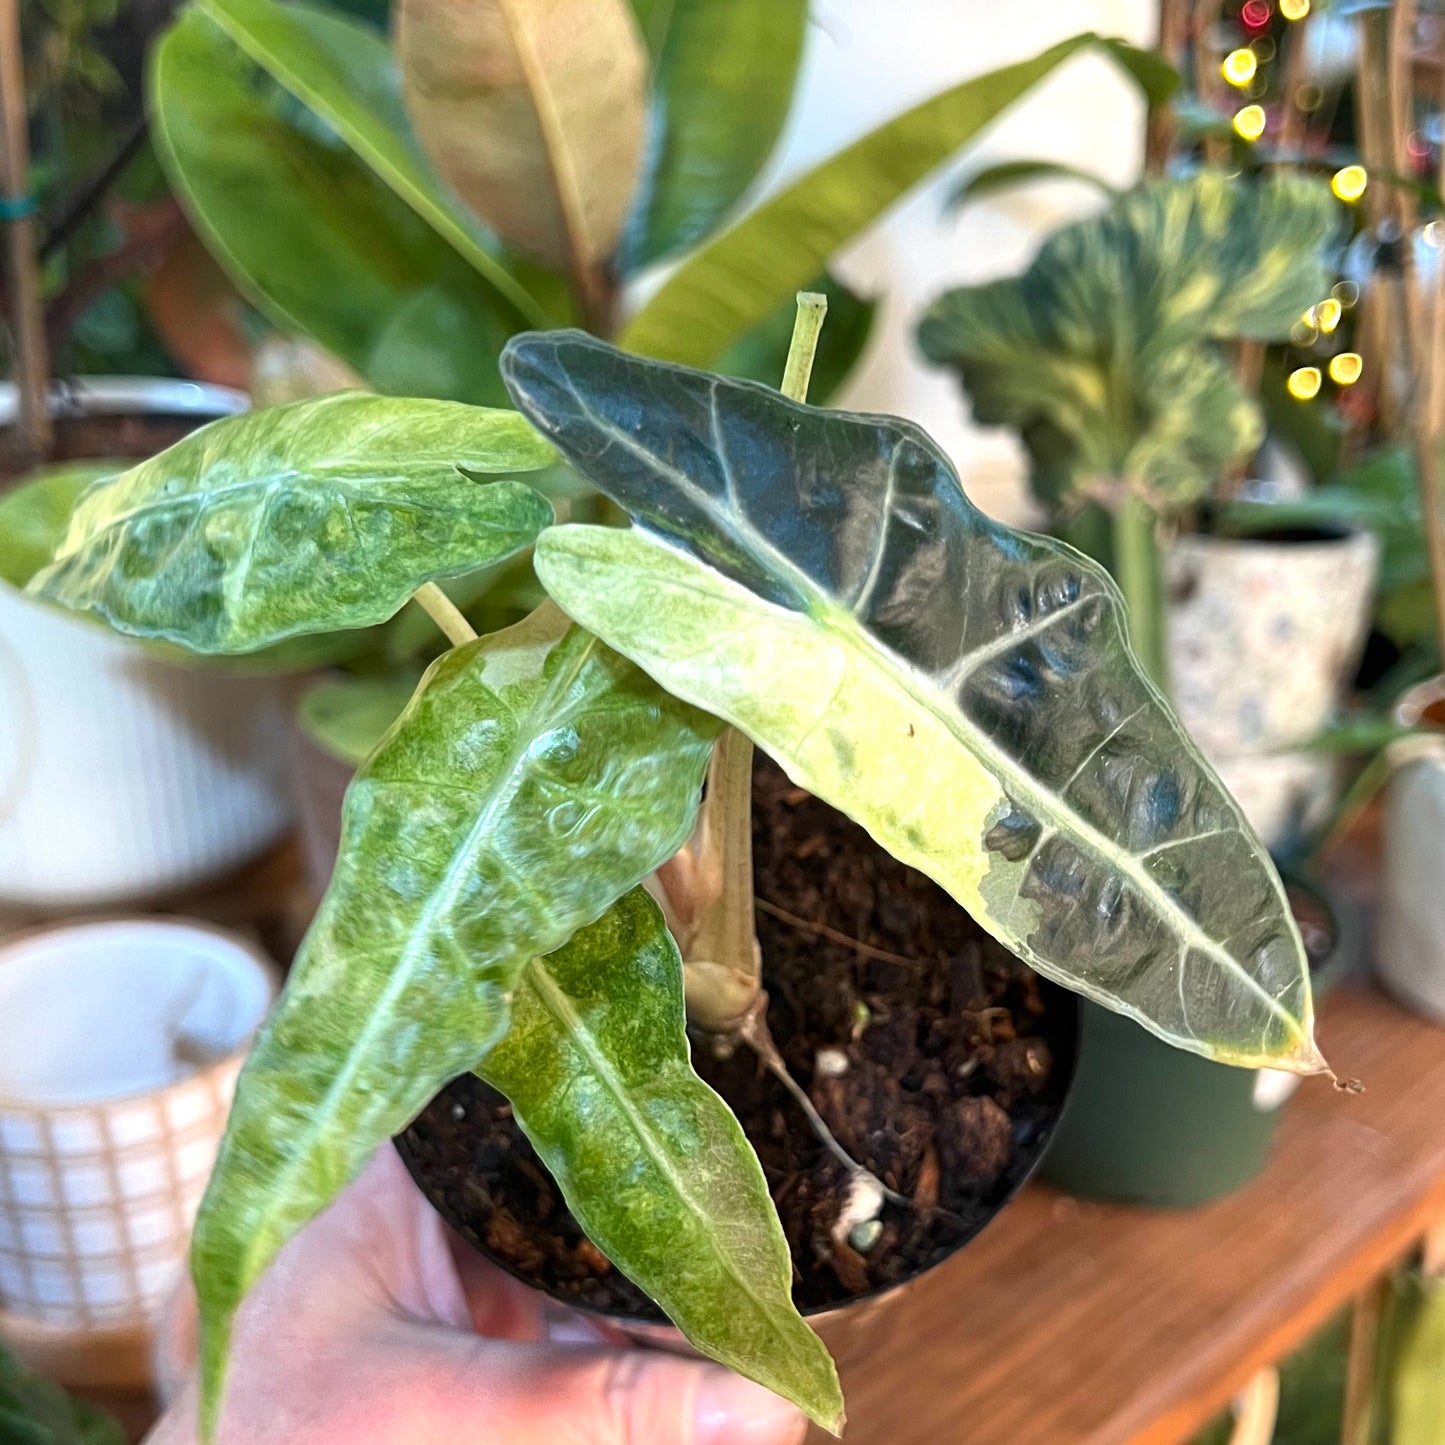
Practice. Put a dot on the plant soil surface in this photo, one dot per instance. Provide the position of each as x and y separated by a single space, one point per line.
937 1059
99 438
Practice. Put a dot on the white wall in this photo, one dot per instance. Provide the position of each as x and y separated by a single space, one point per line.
868 59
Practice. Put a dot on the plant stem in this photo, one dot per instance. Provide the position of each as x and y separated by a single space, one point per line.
725 979
443 611
27 316
1137 569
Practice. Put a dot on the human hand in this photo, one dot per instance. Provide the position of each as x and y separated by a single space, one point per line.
369 1330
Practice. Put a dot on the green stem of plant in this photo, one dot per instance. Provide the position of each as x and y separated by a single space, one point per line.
1138 572
725 938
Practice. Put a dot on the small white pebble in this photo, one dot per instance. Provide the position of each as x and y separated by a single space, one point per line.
864 1236
830 1063
863 1204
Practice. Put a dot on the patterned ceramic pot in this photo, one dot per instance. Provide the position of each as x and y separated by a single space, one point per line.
1264 634
120 1043
122 777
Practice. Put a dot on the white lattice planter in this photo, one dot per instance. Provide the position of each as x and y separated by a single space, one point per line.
120 1043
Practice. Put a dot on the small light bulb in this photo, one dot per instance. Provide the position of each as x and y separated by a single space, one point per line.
1349 182
1345 368
1249 122
1303 333
1325 315
1239 67
1304 384
1294 9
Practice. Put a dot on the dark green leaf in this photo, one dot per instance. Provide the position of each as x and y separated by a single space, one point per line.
34 516
1008 174
304 227
535 777
314 517
35 1412
762 355
1099 353
722 80
739 280
962 690
651 1162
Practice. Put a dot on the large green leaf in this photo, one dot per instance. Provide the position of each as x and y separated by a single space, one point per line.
318 516
306 228
534 111
344 72
722 80
535 777
741 278
1100 352
651 1162
35 515
962 690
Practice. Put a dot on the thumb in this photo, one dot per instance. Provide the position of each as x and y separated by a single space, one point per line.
551 1394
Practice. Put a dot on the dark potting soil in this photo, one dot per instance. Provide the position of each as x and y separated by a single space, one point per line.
936 1058
83 438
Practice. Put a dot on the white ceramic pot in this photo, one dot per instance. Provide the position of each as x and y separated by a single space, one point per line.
1264 636
1410 948
120 1043
123 778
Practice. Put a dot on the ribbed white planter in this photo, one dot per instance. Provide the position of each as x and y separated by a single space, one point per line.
123 777
1410 948
120 1043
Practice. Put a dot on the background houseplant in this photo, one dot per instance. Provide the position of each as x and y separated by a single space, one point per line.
561 776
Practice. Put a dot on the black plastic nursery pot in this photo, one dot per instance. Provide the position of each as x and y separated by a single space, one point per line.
938 1060
1150 1124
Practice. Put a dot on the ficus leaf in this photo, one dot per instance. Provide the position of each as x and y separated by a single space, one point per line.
304 225
321 515
535 777
533 110
963 690
740 278
1100 352
651 1162
723 77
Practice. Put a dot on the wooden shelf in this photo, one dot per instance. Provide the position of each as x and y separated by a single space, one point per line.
1068 1323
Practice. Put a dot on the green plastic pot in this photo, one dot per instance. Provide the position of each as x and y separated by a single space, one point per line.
1150 1124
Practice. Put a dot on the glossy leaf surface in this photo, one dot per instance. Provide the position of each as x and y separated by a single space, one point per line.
962 690
535 777
1100 353
743 276
651 1162
723 78
314 517
533 110
306 228
348 716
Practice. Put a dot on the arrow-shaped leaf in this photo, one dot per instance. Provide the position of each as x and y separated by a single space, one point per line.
535 777
322 515
651 1162
963 690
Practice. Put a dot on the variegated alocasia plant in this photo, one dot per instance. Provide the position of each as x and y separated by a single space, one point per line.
819 581
1103 354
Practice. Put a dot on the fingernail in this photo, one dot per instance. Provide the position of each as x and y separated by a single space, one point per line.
729 1410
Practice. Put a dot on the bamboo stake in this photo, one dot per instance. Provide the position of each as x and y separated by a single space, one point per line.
32 360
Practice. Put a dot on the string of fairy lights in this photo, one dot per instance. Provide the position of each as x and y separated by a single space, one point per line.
1243 69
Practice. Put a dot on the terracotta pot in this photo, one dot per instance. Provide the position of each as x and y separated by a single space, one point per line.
1410 949
1264 635
120 1043
123 777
